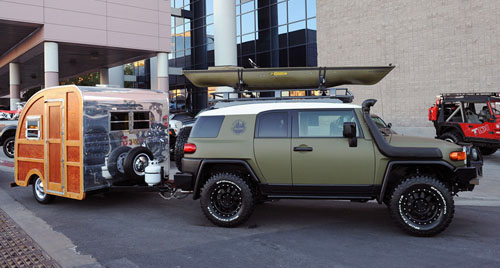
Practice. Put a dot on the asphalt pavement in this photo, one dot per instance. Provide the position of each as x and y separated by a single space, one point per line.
144 230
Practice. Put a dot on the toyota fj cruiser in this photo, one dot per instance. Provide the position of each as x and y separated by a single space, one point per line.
468 117
238 156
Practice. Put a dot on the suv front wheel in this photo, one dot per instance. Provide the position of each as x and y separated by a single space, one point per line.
227 200
422 206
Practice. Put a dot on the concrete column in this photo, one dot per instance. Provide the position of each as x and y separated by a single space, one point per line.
116 76
225 36
103 76
51 64
162 71
153 65
15 85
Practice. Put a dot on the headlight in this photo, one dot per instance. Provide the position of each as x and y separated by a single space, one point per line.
474 154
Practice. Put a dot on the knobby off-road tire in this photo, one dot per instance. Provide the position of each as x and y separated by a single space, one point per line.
452 137
179 146
8 147
227 200
488 150
422 206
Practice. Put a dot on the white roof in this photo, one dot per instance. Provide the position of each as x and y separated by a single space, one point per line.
256 108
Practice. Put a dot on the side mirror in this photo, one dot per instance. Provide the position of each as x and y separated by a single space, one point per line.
389 125
350 133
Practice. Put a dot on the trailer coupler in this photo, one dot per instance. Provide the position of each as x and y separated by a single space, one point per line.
174 193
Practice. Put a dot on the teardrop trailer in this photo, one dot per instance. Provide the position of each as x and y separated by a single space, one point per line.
74 140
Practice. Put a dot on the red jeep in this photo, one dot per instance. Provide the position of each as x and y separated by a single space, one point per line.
468 117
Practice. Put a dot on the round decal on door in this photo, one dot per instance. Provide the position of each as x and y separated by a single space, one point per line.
239 126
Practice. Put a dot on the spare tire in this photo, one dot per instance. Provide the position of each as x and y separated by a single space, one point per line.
181 139
136 162
116 161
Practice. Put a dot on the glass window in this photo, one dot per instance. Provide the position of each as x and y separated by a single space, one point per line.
119 120
296 10
282 13
141 120
324 123
311 8
247 5
179 3
273 125
247 23
207 127
297 56
311 24
238 25
209 7
210 19
33 127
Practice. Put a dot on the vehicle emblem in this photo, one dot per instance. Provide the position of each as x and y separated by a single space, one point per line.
239 126
278 73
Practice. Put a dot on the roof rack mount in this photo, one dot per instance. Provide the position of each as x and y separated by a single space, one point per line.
342 94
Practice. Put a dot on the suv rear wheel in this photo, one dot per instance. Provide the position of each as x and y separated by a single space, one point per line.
227 200
422 206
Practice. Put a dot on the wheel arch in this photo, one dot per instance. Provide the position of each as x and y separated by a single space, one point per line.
209 167
448 128
398 170
31 175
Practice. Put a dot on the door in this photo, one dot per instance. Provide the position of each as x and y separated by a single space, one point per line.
54 146
478 122
272 147
322 160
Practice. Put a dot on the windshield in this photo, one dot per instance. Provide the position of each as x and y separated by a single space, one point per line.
495 107
379 122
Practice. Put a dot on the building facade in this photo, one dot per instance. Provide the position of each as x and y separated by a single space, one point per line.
436 46
271 33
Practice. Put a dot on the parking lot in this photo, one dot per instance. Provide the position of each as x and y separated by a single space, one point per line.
144 230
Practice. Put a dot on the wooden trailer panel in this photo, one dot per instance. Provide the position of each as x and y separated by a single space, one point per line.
56 156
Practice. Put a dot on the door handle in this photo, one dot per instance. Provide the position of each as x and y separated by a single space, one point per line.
302 149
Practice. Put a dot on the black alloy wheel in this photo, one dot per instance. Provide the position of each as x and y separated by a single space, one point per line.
422 206
8 147
227 200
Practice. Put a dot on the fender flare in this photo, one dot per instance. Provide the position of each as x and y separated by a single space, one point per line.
383 188
204 163
7 129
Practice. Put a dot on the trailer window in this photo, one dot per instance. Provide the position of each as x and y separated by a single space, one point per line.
119 121
33 128
141 120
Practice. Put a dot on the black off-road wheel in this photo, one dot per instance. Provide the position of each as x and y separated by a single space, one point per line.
116 161
8 147
227 200
488 150
181 139
422 206
39 192
452 137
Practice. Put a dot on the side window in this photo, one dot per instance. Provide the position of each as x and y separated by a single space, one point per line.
141 120
324 123
33 127
207 127
272 125
119 121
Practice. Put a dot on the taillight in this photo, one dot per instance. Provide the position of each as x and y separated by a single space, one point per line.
458 156
189 148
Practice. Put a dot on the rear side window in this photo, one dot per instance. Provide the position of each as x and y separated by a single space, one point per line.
207 127
272 125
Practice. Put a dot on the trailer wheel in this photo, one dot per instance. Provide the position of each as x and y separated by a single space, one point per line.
136 162
39 192
8 147
116 160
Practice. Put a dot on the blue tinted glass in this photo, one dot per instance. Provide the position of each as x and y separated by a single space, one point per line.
282 13
247 5
179 3
207 127
248 23
248 37
209 7
311 24
311 8
179 42
296 26
296 10
210 19
238 25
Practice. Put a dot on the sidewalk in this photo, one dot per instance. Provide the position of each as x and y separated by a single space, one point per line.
17 249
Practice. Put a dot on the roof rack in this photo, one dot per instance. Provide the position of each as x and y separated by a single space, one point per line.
342 94
471 97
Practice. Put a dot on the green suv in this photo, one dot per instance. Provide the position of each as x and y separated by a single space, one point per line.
239 156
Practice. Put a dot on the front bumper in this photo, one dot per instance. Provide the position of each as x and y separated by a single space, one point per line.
468 176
